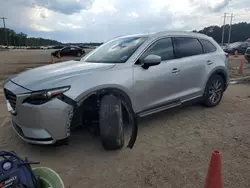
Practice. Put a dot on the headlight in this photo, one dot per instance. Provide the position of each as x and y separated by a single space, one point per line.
41 97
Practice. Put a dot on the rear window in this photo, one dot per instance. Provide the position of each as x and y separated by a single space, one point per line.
207 46
185 47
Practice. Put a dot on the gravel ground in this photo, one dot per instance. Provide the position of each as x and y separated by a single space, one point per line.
173 148
15 61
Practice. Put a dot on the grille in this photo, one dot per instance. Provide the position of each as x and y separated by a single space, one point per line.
11 97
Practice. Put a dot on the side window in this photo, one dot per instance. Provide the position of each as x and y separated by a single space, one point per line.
185 47
208 46
66 49
162 47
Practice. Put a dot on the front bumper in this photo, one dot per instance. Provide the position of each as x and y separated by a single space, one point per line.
37 136
38 124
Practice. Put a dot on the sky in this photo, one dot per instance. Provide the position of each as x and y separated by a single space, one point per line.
102 20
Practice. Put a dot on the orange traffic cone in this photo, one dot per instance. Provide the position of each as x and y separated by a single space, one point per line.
58 55
242 66
52 59
236 53
214 176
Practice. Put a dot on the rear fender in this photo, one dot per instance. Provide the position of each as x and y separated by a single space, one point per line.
221 72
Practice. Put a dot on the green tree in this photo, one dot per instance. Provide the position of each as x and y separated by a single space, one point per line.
21 39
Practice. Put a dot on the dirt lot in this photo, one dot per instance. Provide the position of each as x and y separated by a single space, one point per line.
172 150
15 61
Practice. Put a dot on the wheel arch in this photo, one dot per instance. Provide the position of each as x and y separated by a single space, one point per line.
118 92
220 72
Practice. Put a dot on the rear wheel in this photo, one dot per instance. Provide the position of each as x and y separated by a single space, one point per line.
111 123
214 91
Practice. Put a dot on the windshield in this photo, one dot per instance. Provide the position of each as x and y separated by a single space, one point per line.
235 44
116 51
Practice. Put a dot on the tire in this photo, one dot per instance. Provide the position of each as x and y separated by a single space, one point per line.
215 87
78 54
111 123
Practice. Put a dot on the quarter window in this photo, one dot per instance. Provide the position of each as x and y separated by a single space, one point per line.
162 47
185 47
207 46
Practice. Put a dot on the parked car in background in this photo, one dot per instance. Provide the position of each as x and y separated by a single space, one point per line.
237 46
69 51
143 74
247 55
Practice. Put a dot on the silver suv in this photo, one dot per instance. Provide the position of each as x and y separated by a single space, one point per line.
129 76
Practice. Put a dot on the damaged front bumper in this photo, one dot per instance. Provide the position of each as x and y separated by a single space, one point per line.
49 122
38 124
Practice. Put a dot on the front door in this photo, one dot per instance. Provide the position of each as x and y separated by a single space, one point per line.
65 51
157 86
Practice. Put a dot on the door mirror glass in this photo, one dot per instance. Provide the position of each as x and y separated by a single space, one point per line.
151 60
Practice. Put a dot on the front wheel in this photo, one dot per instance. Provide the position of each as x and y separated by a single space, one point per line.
214 91
111 123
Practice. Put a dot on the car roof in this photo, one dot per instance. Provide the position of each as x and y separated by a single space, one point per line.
169 33
180 33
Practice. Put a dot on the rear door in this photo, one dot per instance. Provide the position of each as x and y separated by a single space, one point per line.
73 51
193 66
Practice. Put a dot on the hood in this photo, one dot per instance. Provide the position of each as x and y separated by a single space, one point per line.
50 74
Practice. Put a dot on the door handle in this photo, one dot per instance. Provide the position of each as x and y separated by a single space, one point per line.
209 62
175 70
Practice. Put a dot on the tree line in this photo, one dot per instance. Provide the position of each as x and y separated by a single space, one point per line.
239 32
21 39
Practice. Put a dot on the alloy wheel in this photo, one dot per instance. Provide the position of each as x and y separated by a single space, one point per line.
215 91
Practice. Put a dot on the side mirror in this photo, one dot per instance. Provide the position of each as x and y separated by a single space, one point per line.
151 60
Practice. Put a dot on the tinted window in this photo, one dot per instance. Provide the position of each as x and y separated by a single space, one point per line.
162 47
208 46
66 49
185 47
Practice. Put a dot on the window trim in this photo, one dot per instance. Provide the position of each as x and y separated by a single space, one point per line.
200 40
150 44
190 37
